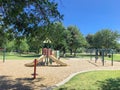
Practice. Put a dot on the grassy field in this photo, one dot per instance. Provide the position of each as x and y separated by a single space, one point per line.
9 56
81 55
116 57
15 56
95 80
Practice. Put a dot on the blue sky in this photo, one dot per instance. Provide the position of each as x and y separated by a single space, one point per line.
91 16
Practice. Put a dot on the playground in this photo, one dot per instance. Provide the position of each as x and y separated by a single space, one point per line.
44 43
14 75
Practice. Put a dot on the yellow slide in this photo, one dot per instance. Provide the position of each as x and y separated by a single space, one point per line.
40 59
57 61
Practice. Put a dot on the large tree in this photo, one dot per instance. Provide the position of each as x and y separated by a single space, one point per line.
75 39
56 35
2 34
25 16
35 40
90 40
106 39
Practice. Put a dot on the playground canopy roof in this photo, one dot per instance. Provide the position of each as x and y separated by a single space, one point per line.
47 40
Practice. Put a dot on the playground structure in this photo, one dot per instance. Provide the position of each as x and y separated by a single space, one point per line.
104 52
46 58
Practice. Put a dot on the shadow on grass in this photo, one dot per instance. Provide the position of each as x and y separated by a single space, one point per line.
18 84
110 84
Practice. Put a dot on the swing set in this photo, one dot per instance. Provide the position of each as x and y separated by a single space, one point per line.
103 52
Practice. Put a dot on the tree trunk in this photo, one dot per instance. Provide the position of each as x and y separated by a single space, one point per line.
64 53
71 51
100 52
75 52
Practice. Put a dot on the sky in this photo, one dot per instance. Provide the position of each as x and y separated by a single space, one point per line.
91 16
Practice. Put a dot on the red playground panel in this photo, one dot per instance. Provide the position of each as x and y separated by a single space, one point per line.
46 51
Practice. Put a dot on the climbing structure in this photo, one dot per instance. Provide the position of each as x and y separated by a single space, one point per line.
46 59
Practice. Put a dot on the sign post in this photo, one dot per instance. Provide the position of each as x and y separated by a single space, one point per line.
35 62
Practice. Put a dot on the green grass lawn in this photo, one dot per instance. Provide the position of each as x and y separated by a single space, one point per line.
80 55
94 80
116 57
9 56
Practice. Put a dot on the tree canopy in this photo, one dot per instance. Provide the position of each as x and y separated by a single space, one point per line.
104 38
34 20
25 16
75 39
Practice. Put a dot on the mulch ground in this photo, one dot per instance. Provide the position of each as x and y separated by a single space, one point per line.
15 76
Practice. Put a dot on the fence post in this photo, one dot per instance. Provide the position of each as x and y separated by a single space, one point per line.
112 59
